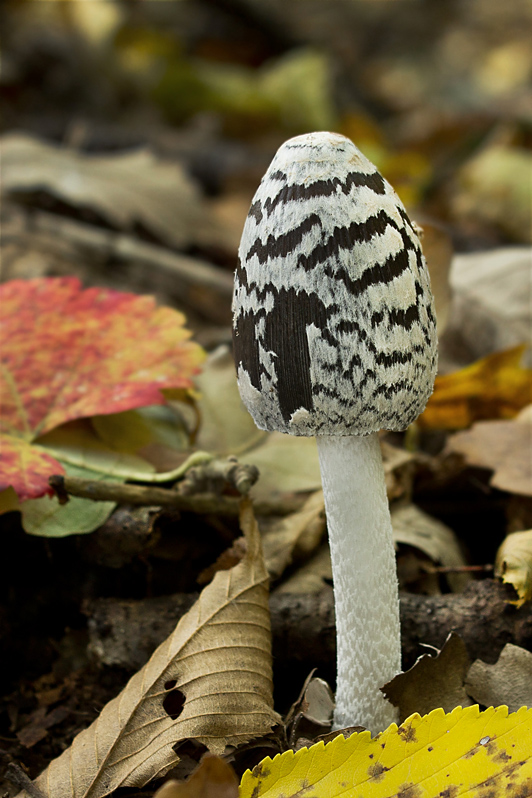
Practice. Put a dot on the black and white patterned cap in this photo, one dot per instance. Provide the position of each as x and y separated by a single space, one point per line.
333 319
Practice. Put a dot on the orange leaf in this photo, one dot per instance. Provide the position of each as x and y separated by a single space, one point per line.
213 778
497 386
70 353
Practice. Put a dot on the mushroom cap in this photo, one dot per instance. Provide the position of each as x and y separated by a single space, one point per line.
334 328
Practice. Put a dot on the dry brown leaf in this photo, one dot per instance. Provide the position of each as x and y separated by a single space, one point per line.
213 778
297 535
310 577
508 681
513 564
432 682
209 681
311 715
505 447
126 188
415 528
398 470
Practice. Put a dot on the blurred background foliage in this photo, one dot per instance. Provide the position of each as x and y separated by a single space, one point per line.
438 95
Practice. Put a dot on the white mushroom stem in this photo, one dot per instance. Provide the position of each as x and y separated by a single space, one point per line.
364 576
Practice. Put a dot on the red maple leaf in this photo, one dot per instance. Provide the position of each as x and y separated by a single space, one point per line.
67 353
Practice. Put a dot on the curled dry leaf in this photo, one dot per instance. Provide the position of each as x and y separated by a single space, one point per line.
513 564
69 353
210 681
311 715
432 682
213 778
437 541
312 576
296 535
508 681
502 446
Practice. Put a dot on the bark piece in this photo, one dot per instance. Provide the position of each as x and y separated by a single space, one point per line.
123 632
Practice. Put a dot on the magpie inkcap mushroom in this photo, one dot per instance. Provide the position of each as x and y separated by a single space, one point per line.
335 336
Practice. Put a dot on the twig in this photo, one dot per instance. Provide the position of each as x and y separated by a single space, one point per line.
141 495
458 569
150 496
192 271
17 776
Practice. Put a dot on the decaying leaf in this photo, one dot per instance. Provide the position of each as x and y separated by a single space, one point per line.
296 535
226 426
432 682
496 386
466 752
513 564
398 470
125 189
311 715
213 778
505 447
25 468
409 525
437 541
210 682
69 353
508 681
312 576
286 464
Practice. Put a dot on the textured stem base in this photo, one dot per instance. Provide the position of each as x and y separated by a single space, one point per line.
365 580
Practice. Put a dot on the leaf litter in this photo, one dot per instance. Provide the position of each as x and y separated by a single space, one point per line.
209 682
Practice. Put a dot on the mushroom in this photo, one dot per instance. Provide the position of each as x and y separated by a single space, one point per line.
334 336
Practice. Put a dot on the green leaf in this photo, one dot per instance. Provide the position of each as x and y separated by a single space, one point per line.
45 517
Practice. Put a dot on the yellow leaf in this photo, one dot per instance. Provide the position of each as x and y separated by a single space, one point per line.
466 753
513 564
497 386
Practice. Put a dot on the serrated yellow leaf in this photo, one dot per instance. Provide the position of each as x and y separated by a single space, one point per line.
466 753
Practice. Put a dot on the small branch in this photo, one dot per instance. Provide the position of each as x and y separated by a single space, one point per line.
215 475
141 495
150 496
192 271
17 776
458 569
